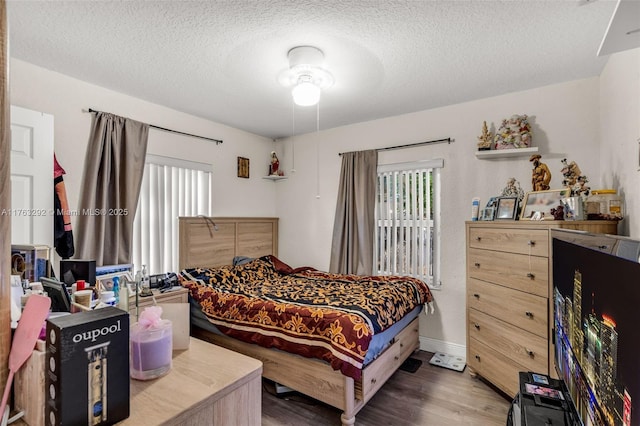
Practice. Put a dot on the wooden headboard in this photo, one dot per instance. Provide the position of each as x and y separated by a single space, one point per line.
215 241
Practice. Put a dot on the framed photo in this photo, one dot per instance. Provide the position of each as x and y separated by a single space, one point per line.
106 281
243 167
537 205
487 213
493 202
507 208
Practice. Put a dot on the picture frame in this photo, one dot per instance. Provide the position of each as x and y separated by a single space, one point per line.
507 208
243 167
537 205
106 281
487 213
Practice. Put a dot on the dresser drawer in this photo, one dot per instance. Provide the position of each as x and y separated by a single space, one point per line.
495 367
526 349
375 375
521 309
519 271
523 241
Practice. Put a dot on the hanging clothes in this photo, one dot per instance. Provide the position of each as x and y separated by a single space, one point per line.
63 236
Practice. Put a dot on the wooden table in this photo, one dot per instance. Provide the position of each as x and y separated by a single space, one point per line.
207 385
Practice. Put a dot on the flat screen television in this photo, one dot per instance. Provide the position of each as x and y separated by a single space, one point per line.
596 329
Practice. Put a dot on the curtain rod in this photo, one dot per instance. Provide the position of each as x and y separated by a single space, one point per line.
409 145
164 129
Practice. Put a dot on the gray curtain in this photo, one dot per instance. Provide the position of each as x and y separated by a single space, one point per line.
354 226
111 185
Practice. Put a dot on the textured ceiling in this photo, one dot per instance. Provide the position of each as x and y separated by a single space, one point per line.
220 59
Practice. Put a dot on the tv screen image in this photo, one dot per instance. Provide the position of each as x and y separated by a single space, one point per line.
596 300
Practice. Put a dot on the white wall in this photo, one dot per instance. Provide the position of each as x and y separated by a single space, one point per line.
620 133
565 123
65 97
569 120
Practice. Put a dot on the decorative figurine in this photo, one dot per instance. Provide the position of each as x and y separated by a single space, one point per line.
541 175
574 180
274 167
558 212
514 133
570 171
485 139
513 190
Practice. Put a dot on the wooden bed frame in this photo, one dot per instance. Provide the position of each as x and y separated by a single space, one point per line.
211 242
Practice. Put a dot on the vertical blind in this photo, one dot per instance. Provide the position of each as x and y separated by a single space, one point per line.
407 225
170 188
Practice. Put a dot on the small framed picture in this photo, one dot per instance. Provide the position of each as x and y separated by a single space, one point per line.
243 167
487 213
537 205
105 282
507 208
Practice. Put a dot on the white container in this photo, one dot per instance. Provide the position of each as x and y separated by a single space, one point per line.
108 298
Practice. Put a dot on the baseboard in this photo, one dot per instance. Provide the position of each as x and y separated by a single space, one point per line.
433 345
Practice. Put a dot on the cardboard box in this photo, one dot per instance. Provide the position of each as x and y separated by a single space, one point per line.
87 368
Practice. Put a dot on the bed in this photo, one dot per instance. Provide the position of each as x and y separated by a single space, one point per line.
345 375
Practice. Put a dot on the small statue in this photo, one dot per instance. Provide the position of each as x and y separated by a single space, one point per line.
558 212
514 133
485 139
541 175
274 167
574 180
513 189
570 171
580 189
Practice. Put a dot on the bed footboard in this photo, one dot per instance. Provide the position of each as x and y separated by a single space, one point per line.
317 379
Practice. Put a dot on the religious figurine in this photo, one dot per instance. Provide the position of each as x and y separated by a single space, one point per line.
541 175
514 133
485 139
274 167
513 189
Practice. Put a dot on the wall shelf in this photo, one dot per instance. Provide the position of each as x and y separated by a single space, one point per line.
495 154
274 178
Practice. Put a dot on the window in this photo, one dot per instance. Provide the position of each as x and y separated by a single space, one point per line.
407 220
170 188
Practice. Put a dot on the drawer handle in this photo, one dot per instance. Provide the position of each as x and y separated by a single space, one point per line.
396 358
477 326
531 243
530 353
530 275
529 314
478 238
603 247
373 381
476 295
402 345
477 265
478 357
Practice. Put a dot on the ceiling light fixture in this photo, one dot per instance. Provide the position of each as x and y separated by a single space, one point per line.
306 75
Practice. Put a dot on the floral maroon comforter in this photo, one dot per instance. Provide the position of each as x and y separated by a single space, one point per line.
307 312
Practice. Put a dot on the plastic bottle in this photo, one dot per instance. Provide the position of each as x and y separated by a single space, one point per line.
116 290
145 278
475 208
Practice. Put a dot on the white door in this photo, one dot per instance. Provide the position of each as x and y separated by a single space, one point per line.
31 177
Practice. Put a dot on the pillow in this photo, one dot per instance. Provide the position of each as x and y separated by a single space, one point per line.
241 260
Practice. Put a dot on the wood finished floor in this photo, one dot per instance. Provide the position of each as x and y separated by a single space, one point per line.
431 396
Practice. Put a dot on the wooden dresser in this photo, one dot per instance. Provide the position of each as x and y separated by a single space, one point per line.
508 292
